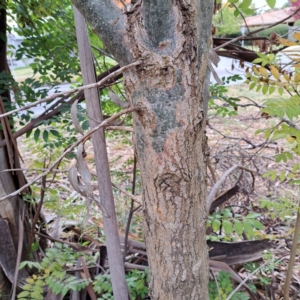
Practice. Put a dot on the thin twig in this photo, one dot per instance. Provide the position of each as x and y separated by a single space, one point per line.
132 197
255 31
38 211
289 272
84 87
20 248
124 128
83 138
33 170
131 209
247 278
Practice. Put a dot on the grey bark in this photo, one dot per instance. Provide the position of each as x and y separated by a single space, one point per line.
173 39
9 209
102 165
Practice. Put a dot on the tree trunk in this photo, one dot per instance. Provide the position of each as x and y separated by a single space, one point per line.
172 39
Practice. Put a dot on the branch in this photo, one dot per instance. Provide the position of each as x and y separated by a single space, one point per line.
293 254
81 88
255 31
108 22
56 108
83 138
131 196
215 188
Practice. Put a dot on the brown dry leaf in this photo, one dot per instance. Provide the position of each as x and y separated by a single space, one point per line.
286 77
275 72
297 77
286 42
296 36
263 71
255 71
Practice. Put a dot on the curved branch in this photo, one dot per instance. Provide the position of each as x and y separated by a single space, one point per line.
215 188
108 22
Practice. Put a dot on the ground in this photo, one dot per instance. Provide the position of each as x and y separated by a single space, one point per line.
232 140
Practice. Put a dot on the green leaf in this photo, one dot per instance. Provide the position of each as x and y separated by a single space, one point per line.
216 225
271 174
258 60
245 4
27 287
238 227
256 224
40 282
265 89
271 3
271 90
278 135
227 225
45 136
55 133
248 227
252 86
282 176
253 215
36 296
36 134
24 294
65 291
236 13
37 289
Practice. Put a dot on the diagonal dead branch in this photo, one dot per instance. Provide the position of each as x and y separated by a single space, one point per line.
81 88
132 197
255 31
83 138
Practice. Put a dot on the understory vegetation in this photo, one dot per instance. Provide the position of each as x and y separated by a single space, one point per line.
253 169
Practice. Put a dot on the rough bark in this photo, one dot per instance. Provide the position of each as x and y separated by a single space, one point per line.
172 38
9 209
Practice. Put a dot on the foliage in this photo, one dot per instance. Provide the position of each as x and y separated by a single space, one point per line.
228 105
230 226
48 28
137 285
225 22
262 272
52 273
282 208
223 288
267 77
41 24
276 77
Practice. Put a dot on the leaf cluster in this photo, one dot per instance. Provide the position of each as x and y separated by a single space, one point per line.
223 288
52 274
228 226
